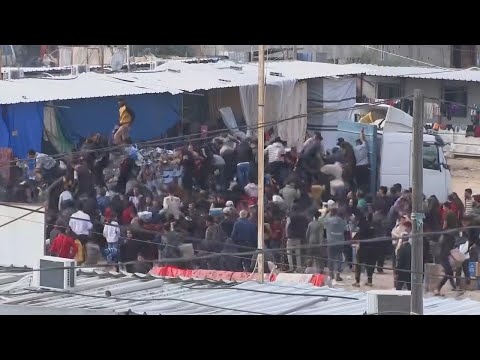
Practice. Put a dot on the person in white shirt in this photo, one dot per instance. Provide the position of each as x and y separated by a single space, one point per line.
64 196
44 164
135 199
81 224
362 171
468 201
111 232
276 153
251 190
171 205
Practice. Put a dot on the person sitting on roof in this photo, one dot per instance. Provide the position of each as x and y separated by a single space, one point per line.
127 116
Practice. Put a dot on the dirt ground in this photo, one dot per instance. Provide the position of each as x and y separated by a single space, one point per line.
465 174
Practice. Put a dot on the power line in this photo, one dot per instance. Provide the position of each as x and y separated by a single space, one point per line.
401 56
183 138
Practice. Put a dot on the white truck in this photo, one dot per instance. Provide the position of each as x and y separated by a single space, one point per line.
390 147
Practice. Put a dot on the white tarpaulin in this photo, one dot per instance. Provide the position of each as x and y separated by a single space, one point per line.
230 122
293 131
324 96
283 100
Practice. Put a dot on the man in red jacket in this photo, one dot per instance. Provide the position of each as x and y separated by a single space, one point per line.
64 245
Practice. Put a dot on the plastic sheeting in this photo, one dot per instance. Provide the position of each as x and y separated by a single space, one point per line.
23 124
217 275
53 131
154 115
293 131
325 95
282 101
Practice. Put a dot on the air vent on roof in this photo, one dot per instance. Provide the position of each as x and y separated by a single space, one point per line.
388 302
55 273
174 70
276 74
236 67
224 80
79 69
13 74
154 64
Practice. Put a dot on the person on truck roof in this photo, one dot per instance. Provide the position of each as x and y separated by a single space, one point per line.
362 169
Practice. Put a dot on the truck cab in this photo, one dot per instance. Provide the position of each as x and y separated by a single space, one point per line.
389 138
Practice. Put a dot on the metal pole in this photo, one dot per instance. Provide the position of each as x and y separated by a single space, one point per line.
128 58
294 52
417 204
102 57
261 113
1 62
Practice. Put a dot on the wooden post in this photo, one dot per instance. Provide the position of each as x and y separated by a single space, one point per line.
417 204
261 181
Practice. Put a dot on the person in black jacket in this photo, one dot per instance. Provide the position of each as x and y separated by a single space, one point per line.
367 252
404 266
447 243
296 233
244 157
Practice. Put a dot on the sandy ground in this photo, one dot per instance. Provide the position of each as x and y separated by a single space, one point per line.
465 174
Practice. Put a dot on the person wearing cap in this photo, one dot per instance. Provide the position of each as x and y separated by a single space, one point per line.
228 221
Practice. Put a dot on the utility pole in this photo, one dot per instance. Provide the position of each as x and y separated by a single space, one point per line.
261 177
102 57
128 58
417 204
294 52
1 63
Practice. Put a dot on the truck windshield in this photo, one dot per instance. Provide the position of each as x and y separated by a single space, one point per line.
430 157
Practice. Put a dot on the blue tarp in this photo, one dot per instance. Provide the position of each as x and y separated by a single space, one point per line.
21 127
154 115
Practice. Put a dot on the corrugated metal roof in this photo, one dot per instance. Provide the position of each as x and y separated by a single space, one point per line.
179 298
472 74
190 78
87 85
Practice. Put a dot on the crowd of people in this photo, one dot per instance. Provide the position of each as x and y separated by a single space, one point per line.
319 210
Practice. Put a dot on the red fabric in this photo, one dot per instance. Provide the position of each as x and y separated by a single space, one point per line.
127 216
64 246
172 271
252 201
43 50
476 131
318 280
108 215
